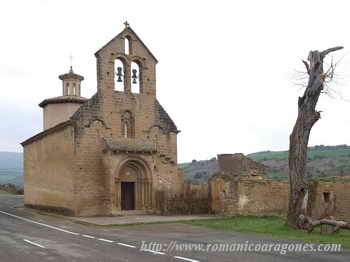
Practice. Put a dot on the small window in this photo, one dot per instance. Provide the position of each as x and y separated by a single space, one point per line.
127 125
126 135
326 197
127 46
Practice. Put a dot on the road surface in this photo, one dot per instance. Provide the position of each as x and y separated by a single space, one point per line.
29 237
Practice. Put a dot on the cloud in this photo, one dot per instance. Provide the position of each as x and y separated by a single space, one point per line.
17 124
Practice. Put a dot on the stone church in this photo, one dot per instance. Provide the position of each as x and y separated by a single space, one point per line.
111 153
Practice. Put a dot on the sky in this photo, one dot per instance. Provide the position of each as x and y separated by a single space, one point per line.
227 72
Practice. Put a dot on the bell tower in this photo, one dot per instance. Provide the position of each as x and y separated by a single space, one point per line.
71 83
59 109
125 64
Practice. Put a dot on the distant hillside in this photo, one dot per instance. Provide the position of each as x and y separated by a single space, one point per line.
323 161
315 151
11 168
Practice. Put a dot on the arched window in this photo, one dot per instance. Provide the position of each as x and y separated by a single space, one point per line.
119 76
127 46
67 89
127 125
135 78
74 89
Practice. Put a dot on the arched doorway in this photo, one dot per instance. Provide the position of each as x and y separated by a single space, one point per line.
133 186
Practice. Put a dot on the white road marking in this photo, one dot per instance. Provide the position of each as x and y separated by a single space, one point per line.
126 245
152 251
106 240
41 224
33 243
187 259
88 236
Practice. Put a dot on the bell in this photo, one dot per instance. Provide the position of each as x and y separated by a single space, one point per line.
119 74
134 76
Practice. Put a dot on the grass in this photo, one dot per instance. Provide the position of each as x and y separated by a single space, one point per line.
277 175
342 164
272 226
311 154
332 179
265 225
269 155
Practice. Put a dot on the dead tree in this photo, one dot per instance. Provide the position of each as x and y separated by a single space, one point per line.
298 141
308 224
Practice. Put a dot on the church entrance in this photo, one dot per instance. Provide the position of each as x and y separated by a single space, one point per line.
128 195
133 187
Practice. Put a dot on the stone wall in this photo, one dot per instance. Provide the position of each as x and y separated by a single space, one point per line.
240 165
248 197
48 165
329 194
193 200
270 198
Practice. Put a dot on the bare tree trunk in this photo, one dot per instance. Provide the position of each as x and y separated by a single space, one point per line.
308 224
299 139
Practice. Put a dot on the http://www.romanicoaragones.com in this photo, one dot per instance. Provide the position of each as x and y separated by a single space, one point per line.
246 246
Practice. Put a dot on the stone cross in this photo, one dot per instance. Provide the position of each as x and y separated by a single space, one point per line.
71 60
126 24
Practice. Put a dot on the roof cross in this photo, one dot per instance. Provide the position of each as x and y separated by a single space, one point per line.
126 24
71 62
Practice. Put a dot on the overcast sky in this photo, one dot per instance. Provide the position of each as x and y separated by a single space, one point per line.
225 75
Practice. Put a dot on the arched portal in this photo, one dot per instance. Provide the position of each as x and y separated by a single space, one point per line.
133 186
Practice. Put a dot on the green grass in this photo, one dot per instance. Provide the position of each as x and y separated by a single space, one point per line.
269 155
311 154
272 226
332 179
342 164
277 175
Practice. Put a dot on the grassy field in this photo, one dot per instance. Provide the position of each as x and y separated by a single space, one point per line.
272 226
342 164
311 154
277 175
332 179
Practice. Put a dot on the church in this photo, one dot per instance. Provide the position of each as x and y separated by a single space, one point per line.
109 154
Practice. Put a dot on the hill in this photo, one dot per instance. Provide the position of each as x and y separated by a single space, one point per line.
323 161
11 168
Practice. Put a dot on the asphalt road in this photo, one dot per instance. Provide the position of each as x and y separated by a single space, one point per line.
30 237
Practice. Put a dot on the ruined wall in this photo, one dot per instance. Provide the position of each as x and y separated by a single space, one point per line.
193 200
331 198
48 177
240 165
257 198
247 197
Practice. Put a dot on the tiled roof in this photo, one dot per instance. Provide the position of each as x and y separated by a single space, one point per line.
63 99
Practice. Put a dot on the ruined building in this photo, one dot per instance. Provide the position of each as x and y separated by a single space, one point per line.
109 153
